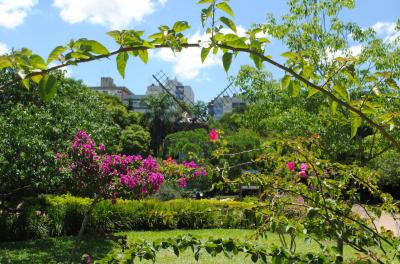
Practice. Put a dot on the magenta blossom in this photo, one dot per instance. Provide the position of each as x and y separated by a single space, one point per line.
302 174
303 167
102 148
291 165
182 182
213 135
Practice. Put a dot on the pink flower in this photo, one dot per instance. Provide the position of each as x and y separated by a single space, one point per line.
303 167
303 174
213 135
58 156
102 148
191 164
182 182
87 259
291 165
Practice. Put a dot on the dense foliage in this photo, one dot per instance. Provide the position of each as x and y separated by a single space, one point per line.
187 145
343 113
32 131
62 215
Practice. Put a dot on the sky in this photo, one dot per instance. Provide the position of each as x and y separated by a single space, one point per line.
42 25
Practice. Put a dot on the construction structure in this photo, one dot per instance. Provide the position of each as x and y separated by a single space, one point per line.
226 101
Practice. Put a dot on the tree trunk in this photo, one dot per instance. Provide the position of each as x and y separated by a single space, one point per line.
81 230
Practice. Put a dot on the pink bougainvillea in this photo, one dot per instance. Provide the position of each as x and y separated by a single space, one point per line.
112 175
303 167
291 165
302 174
213 135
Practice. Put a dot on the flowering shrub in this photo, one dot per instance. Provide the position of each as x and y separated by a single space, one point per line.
213 135
303 169
110 176
182 172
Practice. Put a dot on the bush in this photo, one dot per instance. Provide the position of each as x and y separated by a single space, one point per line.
135 140
33 131
63 215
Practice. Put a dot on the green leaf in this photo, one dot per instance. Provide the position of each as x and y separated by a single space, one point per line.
37 78
215 50
285 82
290 55
144 55
122 59
96 47
78 55
225 7
54 55
257 61
204 53
355 124
342 91
205 2
48 87
392 83
5 62
37 62
333 107
311 91
26 84
294 88
227 60
205 14
115 34
228 22
180 26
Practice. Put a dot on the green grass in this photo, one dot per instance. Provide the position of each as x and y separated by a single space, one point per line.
56 250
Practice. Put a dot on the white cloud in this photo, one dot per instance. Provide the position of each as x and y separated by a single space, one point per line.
352 51
187 64
387 30
13 12
116 14
3 48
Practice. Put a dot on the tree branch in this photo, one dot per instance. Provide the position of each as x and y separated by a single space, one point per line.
330 95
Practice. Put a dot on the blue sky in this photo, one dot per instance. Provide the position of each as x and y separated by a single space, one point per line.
43 24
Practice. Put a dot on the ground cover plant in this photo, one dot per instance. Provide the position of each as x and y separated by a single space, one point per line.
55 250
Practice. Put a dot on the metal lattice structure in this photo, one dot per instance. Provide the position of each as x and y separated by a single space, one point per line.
223 99
184 103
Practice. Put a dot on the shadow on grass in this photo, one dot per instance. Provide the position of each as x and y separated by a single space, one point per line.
53 250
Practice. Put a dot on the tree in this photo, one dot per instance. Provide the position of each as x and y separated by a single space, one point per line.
135 140
160 118
276 113
33 131
318 61
119 112
192 144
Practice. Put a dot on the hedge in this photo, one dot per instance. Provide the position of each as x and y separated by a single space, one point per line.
62 215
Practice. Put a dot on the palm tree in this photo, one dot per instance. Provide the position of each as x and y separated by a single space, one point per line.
160 118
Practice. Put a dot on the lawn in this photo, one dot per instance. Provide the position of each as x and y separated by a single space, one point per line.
56 250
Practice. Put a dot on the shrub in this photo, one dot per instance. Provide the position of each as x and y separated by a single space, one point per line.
32 131
62 215
135 140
